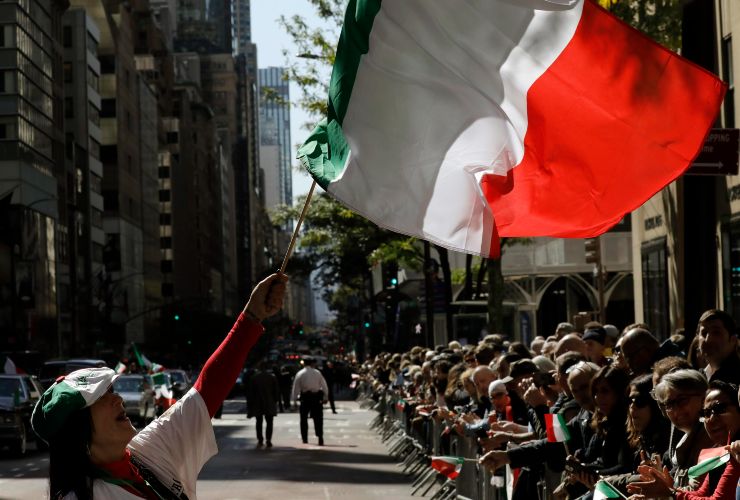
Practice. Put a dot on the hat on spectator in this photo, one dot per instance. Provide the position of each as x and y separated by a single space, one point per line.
597 333
543 363
612 332
67 395
519 368
497 387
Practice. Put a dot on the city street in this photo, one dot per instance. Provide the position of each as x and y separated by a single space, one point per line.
353 464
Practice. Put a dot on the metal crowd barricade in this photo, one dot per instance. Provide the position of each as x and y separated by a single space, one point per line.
413 452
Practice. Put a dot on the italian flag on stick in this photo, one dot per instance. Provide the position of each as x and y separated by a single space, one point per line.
709 464
401 405
463 122
605 490
557 431
449 466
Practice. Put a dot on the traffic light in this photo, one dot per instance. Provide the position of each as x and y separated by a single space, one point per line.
366 324
300 328
593 250
176 317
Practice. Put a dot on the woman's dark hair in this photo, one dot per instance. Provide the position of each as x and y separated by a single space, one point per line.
617 380
70 468
655 437
694 355
729 390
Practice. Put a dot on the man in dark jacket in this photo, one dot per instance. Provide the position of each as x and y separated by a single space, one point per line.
263 394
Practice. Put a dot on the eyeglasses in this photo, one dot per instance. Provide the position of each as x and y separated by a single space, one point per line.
714 410
671 405
640 401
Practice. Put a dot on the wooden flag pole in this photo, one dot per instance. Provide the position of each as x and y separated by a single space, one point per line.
297 228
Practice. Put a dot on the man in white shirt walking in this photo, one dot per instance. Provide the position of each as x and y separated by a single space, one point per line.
311 386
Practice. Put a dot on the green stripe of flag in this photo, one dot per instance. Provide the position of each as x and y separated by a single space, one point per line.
709 464
605 490
325 152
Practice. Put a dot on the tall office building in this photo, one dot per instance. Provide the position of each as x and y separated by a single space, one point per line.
80 319
275 145
32 167
242 25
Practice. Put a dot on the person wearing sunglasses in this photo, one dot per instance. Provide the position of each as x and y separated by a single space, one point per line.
721 416
680 396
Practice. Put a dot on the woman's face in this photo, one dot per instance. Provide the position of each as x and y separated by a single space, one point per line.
604 397
721 417
112 430
682 408
639 410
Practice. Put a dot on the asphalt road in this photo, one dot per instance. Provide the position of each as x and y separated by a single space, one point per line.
352 464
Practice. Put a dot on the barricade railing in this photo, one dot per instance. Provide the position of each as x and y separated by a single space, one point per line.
413 444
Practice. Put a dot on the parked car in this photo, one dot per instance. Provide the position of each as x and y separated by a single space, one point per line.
13 431
52 370
180 382
18 396
139 399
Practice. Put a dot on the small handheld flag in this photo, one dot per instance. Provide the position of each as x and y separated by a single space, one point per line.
709 464
605 490
557 430
449 466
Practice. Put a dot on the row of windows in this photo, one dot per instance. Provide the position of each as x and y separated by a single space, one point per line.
34 94
33 50
34 73
33 115
68 40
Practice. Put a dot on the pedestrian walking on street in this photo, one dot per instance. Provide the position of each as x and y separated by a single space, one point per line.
95 452
263 395
330 375
311 387
285 380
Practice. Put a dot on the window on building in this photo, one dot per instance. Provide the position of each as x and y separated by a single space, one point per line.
67 36
164 172
94 149
69 107
727 74
68 72
107 64
96 183
655 287
109 154
92 44
93 80
731 267
165 242
165 195
168 290
165 219
7 81
7 35
110 200
107 108
166 266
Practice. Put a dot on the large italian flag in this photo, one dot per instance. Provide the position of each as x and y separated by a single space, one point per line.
462 121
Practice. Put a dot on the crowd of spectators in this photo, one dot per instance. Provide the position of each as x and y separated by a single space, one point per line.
639 412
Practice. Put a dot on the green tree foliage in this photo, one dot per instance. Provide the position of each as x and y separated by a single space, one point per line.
659 19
